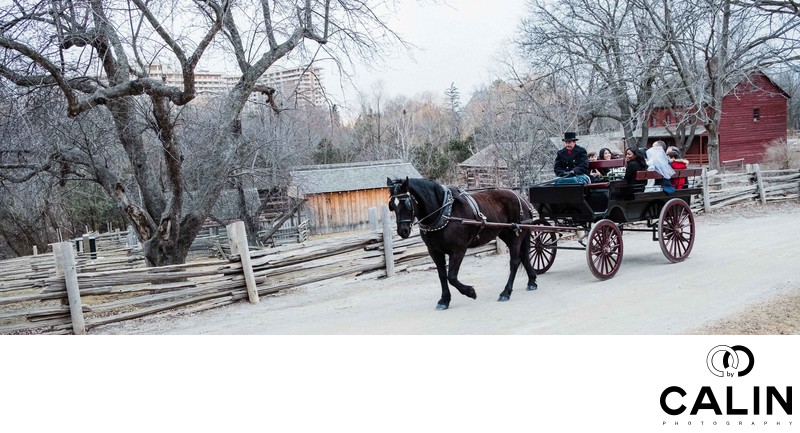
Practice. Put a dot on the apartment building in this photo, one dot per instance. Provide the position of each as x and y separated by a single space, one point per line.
295 86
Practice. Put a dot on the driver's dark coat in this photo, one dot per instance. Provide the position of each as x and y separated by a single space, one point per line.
577 161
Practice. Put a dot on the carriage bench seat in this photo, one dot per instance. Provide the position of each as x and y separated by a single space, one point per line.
607 163
604 163
686 172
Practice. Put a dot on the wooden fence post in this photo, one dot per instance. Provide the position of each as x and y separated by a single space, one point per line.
237 237
762 194
388 247
706 194
373 219
65 267
132 241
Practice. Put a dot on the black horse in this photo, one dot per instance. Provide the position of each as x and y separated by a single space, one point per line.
439 210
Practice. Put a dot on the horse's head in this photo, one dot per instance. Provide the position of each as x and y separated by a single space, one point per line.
401 203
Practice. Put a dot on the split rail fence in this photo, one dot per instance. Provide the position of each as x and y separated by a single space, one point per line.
65 293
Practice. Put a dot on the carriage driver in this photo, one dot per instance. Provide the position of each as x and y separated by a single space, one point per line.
572 162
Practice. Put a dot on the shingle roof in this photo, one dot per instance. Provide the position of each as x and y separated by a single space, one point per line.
315 179
486 157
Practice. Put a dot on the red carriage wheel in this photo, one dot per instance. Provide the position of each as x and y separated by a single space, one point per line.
604 251
676 230
543 247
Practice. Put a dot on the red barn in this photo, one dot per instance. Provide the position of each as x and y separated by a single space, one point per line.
753 115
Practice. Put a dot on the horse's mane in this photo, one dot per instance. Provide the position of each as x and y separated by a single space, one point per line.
426 190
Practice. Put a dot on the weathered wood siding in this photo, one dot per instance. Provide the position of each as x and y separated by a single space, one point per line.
343 211
740 135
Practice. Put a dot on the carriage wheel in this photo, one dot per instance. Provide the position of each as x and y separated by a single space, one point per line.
676 230
543 248
604 251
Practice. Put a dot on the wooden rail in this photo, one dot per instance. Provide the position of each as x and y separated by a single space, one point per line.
39 301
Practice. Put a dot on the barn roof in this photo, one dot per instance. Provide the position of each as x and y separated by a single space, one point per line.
316 179
682 100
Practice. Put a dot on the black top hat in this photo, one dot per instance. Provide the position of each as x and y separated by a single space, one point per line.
570 136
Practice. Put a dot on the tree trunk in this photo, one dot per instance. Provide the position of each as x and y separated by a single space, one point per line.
713 147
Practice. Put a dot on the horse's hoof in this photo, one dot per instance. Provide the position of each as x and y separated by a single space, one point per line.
503 298
441 307
471 293
532 287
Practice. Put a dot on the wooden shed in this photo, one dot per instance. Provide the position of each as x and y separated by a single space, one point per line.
487 168
753 115
339 195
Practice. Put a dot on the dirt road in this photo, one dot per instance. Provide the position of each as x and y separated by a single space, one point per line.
744 260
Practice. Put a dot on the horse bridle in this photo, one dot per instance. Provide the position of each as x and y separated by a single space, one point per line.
404 200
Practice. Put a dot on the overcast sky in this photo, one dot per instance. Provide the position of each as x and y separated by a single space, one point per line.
461 42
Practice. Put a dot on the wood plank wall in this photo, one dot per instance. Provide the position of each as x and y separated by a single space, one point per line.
343 211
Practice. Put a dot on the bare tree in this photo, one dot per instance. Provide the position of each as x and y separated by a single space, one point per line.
790 7
401 117
790 82
98 54
600 52
515 122
715 44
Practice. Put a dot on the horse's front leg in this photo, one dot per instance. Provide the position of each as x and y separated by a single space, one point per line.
452 274
514 243
441 268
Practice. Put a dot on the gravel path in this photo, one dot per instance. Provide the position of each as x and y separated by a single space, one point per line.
742 277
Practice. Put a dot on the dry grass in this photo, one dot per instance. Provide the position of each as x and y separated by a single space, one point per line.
777 316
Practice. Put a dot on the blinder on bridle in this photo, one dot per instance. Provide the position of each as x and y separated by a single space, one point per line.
396 201
400 201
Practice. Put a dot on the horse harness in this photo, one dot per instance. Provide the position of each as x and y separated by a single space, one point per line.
447 208
444 218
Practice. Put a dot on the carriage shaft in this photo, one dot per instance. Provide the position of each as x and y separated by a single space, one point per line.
541 228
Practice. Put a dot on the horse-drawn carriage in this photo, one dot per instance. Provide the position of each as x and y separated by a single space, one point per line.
450 221
602 211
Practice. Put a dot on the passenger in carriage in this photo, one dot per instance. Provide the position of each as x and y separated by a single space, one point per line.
599 174
658 161
677 164
594 174
572 162
604 154
635 162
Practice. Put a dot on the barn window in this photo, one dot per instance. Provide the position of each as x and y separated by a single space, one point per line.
669 120
652 121
756 114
